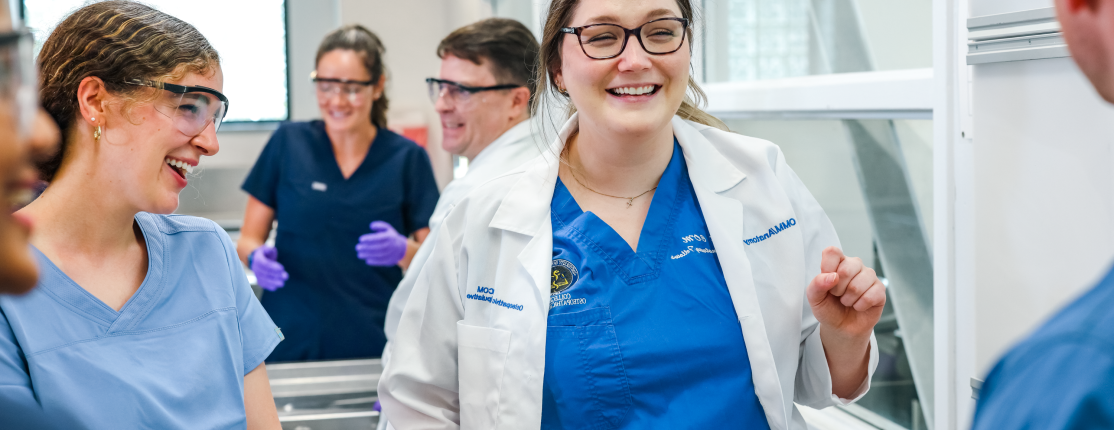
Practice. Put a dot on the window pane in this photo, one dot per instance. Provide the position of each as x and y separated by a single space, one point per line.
829 160
771 39
252 52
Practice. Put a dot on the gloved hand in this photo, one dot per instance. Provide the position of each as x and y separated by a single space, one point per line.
269 273
383 246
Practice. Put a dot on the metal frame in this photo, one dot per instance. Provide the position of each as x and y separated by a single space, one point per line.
1016 36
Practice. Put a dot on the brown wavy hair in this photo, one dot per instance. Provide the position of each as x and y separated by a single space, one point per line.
114 41
355 37
559 15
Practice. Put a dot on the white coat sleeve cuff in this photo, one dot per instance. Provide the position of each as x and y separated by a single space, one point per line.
865 386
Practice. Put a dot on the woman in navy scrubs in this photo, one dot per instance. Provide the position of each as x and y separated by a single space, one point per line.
346 192
665 273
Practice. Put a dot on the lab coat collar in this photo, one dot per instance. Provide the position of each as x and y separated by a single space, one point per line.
715 172
525 208
519 132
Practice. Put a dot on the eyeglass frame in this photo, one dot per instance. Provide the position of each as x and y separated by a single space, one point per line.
637 32
468 89
183 89
313 77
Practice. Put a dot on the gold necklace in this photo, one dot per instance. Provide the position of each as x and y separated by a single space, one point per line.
630 200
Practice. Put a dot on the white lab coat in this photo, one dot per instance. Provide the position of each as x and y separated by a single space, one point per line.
511 149
461 363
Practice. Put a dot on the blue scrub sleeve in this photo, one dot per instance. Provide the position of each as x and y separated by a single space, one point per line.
262 181
258 333
421 192
15 383
1064 384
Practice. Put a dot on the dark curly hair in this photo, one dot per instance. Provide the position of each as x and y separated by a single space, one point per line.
114 41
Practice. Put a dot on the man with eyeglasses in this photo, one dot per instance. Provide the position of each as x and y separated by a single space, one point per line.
483 96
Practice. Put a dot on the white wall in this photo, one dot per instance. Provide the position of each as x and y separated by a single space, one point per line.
1044 196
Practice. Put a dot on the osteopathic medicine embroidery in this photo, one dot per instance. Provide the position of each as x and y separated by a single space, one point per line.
773 230
695 239
487 294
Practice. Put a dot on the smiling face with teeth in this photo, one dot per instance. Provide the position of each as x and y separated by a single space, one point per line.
340 112
141 157
635 92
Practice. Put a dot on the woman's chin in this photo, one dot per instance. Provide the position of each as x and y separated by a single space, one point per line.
164 206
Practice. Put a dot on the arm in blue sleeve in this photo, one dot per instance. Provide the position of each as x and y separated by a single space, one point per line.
258 333
1062 384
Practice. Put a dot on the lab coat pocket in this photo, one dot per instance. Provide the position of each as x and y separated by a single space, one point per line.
586 383
482 354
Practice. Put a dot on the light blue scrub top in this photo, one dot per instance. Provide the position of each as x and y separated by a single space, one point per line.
174 357
647 339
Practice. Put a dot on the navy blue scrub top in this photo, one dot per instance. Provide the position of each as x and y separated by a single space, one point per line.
647 339
334 304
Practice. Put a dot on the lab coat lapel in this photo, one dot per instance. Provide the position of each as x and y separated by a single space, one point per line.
525 210
712 174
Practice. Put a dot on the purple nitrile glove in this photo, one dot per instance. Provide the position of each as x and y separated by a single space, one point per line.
383 246
269 273
377 407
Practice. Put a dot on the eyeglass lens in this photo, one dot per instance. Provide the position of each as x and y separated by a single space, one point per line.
192 111
452 93
608 40
354 92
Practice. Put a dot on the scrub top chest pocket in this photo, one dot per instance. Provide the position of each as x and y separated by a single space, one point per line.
586 372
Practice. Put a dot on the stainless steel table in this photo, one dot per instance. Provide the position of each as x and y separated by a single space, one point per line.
326 395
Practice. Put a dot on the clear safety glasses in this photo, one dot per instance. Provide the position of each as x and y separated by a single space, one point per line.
355 91
18 81
657 37
455 92
191 108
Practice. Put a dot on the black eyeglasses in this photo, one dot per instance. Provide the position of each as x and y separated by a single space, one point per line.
457 92
191 107
657 37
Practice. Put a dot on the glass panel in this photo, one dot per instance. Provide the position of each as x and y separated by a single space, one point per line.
253 61
770 39
825 155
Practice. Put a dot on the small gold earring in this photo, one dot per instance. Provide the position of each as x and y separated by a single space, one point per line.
97 133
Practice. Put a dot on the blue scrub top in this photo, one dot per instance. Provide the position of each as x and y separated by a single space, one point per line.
647 339
1061 377
173 357
334 304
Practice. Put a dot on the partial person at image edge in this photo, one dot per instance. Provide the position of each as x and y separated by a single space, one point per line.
1062 376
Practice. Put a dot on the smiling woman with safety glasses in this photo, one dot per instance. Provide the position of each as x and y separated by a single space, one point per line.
139 319
352 200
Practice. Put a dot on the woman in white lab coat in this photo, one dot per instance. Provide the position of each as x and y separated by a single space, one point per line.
663 273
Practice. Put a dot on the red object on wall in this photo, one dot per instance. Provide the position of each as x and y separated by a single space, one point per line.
419 135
